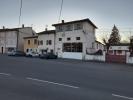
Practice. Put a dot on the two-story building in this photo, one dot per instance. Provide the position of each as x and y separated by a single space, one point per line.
46 41
31 43
74 39
12 39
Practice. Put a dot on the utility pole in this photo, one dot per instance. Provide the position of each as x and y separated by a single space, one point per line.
60 11
20 13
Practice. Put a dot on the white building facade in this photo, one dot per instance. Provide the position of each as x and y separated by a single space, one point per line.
120 49
46 41
74 39
12 39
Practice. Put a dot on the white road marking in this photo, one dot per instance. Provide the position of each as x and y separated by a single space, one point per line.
5 74
65 85
124 97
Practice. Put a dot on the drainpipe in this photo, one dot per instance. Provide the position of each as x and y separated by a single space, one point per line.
17 33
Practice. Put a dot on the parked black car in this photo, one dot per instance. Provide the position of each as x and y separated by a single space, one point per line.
17 53
48 56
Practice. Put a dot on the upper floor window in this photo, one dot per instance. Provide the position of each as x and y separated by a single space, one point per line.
41 42
77 38
78 26
35 41
93 45
60 39
68 39
69 27
59 28
28 42
50 42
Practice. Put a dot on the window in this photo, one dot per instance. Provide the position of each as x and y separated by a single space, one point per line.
50 42
68 39
28 42
68 27
47 42
97 46
93 45
77 38
41 42
78 26
72 47
60 39
59 28
35 41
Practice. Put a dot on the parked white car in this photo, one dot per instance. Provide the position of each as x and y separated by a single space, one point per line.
32 54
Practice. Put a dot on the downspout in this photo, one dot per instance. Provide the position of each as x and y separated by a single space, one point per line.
17 45
54 41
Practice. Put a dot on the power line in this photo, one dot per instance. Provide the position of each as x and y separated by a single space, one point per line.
60 11
21 5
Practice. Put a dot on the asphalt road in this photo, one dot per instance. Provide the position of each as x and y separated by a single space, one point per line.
35 79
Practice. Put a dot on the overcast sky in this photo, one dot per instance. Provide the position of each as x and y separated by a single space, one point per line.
39 13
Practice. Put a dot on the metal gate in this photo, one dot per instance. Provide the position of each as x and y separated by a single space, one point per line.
116 58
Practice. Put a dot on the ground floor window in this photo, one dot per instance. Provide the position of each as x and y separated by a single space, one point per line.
72 47
10 49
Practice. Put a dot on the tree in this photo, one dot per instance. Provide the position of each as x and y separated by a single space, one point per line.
114 37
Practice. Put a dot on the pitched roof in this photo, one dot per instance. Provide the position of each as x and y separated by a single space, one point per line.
47 32
76 21
35 36
99 42
11 29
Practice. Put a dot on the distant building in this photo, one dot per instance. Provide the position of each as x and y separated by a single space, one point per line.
30 44
75 38
46 41
12 39
119 49
99 46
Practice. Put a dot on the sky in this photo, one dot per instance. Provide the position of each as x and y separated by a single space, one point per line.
41 13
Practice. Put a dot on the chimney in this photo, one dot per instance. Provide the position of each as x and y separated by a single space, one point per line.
22 25
3 27
46 29
63 21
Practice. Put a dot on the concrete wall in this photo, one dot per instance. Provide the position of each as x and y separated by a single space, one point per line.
72 55
129 60
23 32
96 57
8 39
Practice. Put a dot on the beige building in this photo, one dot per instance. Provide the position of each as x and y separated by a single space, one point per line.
30 43
12 39
74 39
46 40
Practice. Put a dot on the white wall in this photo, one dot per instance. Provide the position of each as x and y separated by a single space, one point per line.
8 39
96 57
72 55
129 60
46 37
87 37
